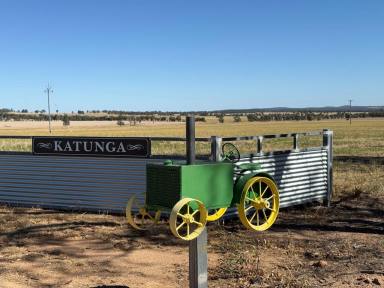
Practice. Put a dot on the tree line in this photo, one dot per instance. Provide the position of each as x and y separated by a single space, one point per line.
298 116
6 116
9 114
310 116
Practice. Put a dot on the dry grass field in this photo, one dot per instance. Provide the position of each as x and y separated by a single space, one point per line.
365 137
309 246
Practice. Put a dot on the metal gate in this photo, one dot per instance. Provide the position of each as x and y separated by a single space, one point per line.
302 174
105 184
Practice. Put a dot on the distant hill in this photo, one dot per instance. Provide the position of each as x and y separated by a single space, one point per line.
344 108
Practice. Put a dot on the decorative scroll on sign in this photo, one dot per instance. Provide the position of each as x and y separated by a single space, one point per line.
92 146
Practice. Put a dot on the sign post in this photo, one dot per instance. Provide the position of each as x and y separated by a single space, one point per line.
198 256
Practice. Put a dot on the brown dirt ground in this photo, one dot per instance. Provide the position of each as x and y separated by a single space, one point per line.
40 248
309 246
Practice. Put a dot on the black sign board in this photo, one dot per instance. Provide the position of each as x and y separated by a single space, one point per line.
92 146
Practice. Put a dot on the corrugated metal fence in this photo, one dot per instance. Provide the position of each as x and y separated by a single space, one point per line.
105 184
85 183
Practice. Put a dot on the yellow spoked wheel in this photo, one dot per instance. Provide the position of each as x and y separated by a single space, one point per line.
142 219
188 218
215 214
259 203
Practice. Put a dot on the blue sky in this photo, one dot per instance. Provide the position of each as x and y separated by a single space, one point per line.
190 55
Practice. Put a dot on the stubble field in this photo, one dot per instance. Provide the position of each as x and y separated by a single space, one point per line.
311 246
365 137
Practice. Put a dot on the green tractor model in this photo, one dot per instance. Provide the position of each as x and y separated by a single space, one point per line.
195 194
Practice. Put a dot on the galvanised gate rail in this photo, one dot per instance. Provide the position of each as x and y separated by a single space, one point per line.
106 183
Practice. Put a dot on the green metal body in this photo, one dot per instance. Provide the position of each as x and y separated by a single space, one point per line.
240 183
211 183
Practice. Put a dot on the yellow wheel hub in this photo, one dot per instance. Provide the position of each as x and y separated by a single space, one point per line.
143 219
259 203
188 218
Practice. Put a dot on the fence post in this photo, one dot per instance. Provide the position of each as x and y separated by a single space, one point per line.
190 133
259 148
216 148
198 255
296 142
198 261
328 142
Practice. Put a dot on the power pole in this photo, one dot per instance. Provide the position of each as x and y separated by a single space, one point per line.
350 111
48 91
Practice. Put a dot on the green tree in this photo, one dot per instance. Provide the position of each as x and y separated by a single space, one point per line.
120 120
66 121
236 118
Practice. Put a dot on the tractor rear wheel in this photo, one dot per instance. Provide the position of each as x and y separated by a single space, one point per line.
139 217
259 203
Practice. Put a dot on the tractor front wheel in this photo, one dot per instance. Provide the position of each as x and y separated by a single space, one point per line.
188 218
215 214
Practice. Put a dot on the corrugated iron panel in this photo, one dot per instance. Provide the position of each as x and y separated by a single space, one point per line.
301 176
86 183
105 184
